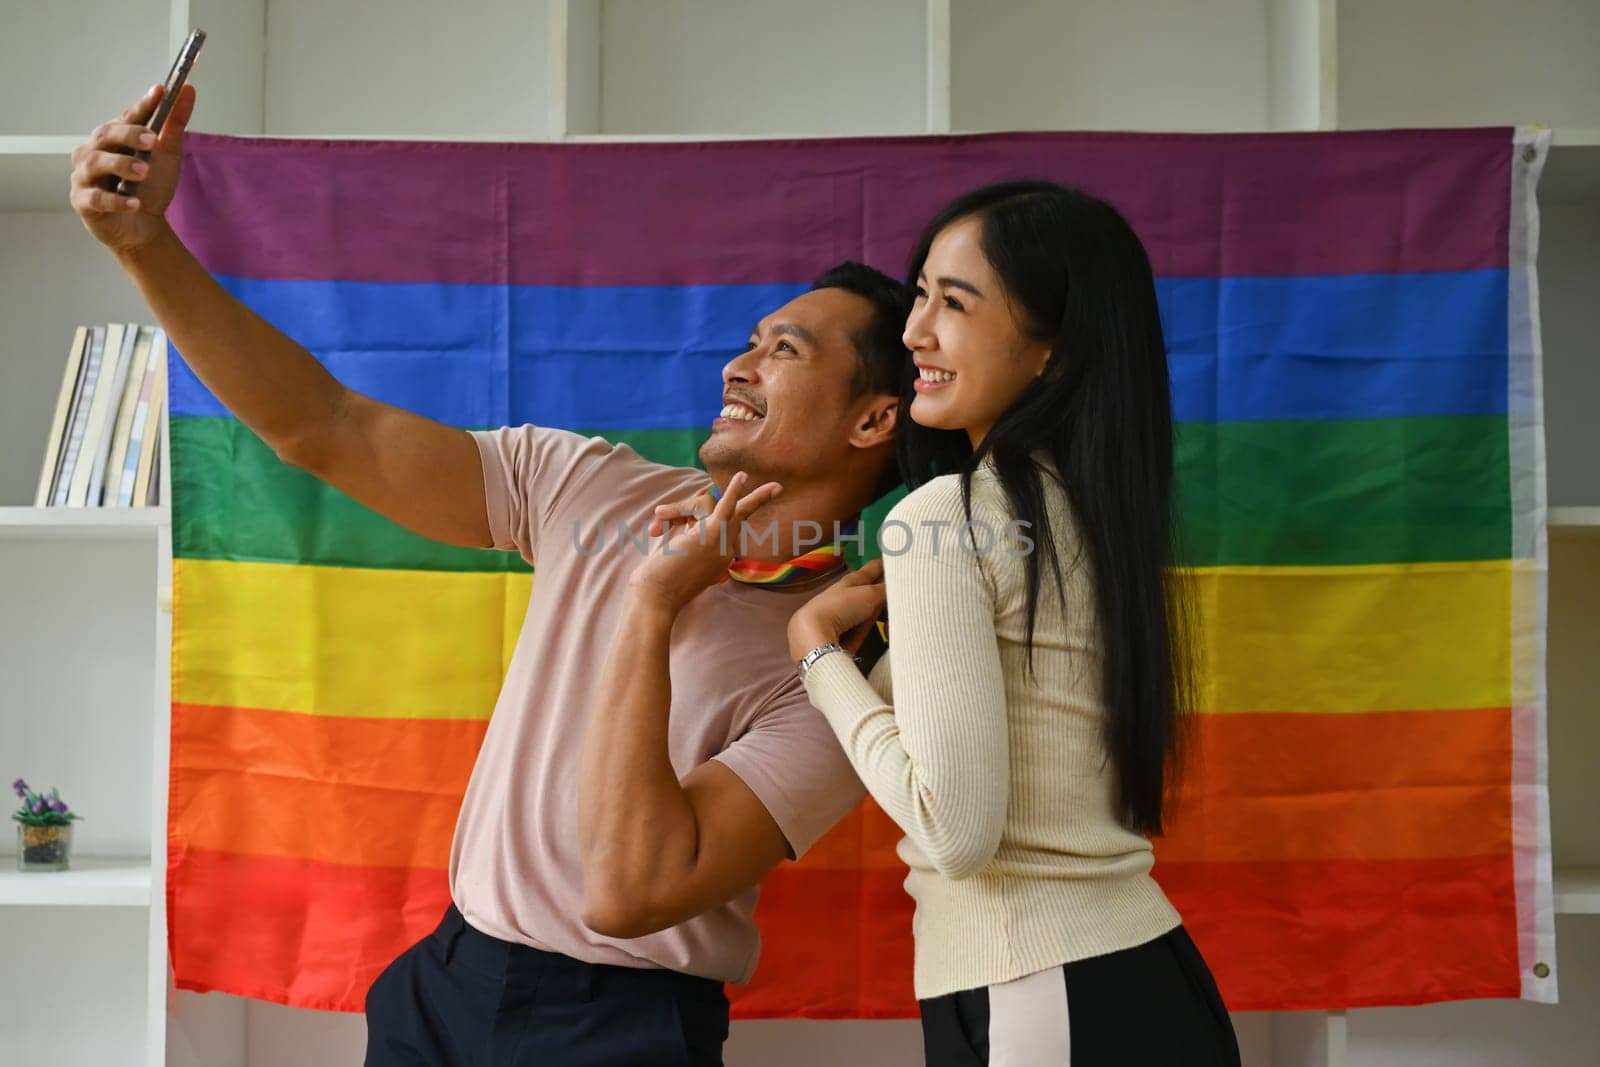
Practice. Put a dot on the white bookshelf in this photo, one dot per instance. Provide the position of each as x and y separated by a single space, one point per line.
621 70
33 171
1578 890
27 523
1580 520
93 881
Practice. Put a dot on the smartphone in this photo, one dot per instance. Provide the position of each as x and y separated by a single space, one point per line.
175 79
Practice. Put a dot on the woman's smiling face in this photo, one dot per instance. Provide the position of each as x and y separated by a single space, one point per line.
973 354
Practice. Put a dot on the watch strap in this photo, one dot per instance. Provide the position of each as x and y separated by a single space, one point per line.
810 658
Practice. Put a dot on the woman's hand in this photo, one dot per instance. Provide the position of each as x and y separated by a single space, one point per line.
842 614
699 546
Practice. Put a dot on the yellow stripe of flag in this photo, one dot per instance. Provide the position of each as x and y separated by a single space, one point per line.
1381 637
344 640
431 644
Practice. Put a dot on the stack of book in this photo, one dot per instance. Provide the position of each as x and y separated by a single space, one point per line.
103 448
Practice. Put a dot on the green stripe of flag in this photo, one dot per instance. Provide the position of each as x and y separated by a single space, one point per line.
1269 493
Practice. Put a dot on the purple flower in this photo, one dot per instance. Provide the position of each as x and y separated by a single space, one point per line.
38 807
21 787
57 806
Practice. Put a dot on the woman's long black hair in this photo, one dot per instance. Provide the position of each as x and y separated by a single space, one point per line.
1077 276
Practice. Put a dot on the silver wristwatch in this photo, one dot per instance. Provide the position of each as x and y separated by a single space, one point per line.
816 654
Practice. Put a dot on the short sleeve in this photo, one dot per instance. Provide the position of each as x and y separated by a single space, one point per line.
529 474
791 760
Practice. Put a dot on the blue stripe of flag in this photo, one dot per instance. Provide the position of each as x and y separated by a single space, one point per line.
1326 347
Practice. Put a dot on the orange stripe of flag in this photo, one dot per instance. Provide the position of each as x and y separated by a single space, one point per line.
1263 787
342 790
1404 785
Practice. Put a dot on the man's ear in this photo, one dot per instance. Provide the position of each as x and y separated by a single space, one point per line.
876 423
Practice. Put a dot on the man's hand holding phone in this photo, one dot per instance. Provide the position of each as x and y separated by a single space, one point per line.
119 222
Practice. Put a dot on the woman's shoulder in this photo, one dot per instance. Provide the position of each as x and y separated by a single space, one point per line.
933 517
941 498
934 495
986 485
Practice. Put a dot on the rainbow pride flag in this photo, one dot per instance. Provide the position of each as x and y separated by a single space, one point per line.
1352 324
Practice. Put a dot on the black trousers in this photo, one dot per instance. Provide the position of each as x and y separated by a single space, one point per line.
460 998
1155 1005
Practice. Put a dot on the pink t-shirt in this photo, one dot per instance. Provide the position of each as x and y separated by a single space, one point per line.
514 865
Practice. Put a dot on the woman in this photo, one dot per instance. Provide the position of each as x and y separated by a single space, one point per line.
1025 735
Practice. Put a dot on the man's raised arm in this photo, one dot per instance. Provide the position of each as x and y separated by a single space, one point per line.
422 474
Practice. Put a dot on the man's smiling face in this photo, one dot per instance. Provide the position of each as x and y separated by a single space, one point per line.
787 405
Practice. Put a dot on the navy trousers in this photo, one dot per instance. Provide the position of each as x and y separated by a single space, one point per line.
460 998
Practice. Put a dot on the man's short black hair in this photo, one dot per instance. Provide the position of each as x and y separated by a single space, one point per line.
881 354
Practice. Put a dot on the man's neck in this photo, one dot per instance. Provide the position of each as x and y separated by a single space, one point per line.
800 520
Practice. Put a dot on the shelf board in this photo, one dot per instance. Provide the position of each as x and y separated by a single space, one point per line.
1574 522
1576 137
1577 891
35 171
93 881
35 524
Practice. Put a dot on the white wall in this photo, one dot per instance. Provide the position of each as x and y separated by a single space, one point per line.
411 67
1108 64
1568 285
762 66
1425 62
41 54
95 1014
77 713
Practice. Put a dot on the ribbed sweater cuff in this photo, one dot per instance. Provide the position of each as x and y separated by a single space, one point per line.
838 690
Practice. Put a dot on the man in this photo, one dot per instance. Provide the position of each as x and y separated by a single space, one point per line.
578 940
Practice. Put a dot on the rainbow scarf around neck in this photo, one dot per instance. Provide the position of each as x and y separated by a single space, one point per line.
810 565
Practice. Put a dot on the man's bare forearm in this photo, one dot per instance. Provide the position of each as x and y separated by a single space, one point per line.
264 378
637 826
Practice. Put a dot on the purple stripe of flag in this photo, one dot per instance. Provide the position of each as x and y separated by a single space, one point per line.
752 212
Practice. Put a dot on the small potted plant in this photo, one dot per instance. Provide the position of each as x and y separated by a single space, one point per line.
44 830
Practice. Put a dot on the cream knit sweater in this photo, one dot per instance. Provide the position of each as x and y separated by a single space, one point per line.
1001 780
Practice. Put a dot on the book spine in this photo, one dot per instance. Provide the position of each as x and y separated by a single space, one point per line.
107 423
142 423
71 381
125 410
80 419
